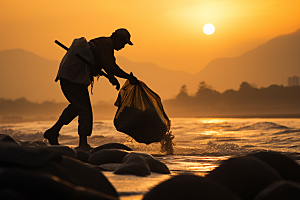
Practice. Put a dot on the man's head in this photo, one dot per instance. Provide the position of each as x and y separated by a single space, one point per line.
120 37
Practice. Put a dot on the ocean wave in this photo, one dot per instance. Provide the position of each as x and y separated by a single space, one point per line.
260 126
204 137
287 132
19 135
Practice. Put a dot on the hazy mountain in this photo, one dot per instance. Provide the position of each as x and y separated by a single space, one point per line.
166 83
270 63
24 74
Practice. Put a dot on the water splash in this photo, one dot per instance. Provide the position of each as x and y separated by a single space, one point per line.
19 135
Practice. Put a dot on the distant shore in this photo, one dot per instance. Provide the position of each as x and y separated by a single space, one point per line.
253 116
18 119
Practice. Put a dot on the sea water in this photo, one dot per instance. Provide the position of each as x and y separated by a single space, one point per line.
200 144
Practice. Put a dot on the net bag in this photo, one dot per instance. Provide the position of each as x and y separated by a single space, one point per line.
140 114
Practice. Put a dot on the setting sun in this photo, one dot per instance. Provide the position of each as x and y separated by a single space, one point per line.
208 29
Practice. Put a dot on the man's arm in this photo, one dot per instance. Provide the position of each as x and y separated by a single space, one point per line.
117 71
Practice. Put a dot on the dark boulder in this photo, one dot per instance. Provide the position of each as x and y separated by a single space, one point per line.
133 164
105 156
285 166
7 138
281 190
21 156
111 146
85 176
82 155
155 165
188 186
61 150
245 176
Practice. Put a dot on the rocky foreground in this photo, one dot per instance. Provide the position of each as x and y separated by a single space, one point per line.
34 170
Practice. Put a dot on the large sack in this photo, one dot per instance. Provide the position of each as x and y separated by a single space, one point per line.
140 114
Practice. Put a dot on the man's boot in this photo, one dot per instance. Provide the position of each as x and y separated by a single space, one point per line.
53 133
83 145
52 136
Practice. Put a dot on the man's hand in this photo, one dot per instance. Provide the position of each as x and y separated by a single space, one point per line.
112 79
133 80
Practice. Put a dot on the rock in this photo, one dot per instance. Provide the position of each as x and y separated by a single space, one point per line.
111 146
245 176
25 184
285 166
107 156
133 164
88 194
37 144
7 138
144 155
12 155
33 158
33 143
82 155
187 186
8 193
109 166
82 175
97 167
24 143
155 165
49 168
287 190
32 185
61 150
55 169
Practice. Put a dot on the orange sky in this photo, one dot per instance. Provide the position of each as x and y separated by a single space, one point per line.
165 32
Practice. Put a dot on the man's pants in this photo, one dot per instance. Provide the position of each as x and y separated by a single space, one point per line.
80 105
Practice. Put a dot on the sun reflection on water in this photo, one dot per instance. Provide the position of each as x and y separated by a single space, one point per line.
211 121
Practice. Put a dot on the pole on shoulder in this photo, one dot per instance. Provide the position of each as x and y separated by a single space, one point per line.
61 45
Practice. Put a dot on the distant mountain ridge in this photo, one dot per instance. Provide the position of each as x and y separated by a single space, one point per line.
270 63
24 74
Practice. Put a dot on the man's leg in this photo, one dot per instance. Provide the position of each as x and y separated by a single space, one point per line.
85 119
78 96
69 113
66 117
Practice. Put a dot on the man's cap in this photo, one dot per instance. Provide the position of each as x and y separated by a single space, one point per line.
122 32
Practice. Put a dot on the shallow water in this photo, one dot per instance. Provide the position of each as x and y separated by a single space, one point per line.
200 144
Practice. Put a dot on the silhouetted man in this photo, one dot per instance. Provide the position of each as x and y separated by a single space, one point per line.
75 76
